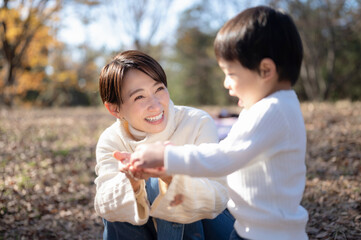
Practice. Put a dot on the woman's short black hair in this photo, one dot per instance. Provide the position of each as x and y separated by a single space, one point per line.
113 74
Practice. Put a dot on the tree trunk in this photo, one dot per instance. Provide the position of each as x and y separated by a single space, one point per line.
8 95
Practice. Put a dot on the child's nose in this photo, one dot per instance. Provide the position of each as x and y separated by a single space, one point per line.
226 83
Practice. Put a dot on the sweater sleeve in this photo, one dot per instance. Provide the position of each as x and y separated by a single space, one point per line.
200 197
256 133
115 199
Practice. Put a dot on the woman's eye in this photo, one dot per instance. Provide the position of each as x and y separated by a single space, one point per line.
138 97
160 89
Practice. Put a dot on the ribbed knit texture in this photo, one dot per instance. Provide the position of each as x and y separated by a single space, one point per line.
264 158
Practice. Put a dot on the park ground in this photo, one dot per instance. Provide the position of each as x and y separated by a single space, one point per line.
47 160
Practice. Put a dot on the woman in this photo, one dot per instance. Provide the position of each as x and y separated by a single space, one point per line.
133 87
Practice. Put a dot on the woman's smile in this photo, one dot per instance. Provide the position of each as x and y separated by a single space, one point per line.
156 119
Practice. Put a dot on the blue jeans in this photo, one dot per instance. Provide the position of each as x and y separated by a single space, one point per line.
206 229
124 230
235 236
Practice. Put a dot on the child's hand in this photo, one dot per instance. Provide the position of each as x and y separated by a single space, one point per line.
133 173
148 156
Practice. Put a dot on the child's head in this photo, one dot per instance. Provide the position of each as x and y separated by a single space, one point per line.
133 87
258 33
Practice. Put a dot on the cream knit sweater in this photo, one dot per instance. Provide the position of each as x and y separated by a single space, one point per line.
115 199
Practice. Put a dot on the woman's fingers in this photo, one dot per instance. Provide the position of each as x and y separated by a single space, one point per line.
121 156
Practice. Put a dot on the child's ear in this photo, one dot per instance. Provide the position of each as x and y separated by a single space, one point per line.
267 68
113 109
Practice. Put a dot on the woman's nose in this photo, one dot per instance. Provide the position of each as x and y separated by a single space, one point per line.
154 103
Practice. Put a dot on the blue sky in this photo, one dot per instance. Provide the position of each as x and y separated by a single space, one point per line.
101 32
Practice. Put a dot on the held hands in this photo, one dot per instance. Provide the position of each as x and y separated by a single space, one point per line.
145 162
126 167
124 157
148 156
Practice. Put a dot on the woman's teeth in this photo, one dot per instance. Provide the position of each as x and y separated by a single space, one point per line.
156 118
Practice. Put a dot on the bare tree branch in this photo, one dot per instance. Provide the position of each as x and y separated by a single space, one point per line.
139 19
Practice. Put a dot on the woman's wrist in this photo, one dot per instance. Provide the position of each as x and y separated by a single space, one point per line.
164 183
135 184
166 179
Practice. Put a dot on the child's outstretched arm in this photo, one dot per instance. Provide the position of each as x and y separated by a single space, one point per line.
148 156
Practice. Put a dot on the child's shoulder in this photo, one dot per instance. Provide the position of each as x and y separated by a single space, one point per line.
280 104
279 100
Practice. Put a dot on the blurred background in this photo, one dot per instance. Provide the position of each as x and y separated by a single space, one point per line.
51 54
52 51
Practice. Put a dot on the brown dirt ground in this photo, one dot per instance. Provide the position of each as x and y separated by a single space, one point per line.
47 160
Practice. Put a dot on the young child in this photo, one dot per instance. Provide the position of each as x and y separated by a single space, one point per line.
260 52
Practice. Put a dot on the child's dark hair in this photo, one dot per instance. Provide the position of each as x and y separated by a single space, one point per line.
113 74
258 33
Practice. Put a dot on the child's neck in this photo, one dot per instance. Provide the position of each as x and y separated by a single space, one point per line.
280 85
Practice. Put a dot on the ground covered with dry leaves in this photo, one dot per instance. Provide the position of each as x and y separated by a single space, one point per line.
47 160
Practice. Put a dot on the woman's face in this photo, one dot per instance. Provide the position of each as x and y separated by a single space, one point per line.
145 102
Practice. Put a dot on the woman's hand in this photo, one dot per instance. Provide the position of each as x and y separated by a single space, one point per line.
124 158
136 175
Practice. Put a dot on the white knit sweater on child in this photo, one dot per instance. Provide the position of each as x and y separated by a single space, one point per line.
115 199
264 158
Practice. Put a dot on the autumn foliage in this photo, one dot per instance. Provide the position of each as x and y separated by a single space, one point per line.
25 42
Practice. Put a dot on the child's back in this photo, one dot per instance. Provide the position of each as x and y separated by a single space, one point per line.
265 193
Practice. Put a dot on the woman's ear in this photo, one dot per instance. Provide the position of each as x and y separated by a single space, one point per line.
113 109
268 69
